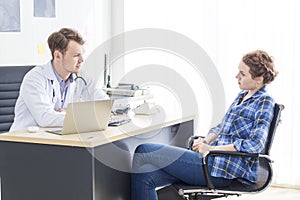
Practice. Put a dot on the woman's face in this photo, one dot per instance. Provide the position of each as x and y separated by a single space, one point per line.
245 80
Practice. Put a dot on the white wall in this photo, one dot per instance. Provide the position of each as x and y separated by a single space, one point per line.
226 30
186 18
90 17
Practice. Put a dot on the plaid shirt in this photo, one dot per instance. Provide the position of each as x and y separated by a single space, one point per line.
245 126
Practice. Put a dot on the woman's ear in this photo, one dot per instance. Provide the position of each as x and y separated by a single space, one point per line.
259 80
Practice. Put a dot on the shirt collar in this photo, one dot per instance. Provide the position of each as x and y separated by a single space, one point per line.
60 80
258 93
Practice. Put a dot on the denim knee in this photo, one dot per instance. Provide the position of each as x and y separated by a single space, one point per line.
147 148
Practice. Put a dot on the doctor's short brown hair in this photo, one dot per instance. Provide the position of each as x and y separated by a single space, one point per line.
60 40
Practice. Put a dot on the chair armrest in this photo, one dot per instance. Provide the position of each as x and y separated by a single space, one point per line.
230 153
235 153
190 141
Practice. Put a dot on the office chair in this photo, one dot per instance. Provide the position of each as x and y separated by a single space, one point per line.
180 191
10 80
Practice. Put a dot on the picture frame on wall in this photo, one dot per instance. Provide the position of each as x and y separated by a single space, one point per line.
10 16
44 8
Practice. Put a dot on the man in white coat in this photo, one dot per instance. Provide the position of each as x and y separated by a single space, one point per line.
46 90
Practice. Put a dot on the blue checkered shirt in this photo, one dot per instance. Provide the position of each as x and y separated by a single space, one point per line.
245 126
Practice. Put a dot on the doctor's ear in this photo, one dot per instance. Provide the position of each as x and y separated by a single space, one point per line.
57 55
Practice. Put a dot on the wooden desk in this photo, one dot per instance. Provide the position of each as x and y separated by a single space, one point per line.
88 166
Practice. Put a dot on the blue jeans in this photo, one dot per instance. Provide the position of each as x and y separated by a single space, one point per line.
156 165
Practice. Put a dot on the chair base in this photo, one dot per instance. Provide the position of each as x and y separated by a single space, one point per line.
169 193
172 193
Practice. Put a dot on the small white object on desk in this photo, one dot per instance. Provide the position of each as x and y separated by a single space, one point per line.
33 129
146 109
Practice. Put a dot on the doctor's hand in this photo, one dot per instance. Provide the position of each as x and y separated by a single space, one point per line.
61 110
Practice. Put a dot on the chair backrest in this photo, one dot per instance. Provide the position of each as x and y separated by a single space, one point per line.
10 80
275 121
265 171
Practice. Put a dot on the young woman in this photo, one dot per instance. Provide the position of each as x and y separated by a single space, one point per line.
244 128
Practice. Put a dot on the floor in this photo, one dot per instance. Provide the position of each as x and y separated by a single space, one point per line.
272 193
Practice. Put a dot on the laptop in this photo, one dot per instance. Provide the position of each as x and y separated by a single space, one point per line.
84 117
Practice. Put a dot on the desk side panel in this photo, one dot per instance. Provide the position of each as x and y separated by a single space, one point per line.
47 172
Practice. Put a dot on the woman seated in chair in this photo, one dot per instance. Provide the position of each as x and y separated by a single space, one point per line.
244 128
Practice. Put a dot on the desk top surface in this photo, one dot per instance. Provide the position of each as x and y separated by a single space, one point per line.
138 125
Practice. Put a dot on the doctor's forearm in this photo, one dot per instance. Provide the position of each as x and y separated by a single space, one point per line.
50 119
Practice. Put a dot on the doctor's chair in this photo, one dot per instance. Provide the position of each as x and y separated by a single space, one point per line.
10 81
181 191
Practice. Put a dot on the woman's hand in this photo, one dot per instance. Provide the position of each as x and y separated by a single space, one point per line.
201 146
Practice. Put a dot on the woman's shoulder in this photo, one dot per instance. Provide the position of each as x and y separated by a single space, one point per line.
263 95
266 100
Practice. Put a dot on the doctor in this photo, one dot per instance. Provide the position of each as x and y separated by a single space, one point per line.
46 90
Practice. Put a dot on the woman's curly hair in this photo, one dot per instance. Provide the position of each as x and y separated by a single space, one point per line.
260 64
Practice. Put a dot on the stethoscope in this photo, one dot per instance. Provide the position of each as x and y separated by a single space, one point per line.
80 77
87 96
53 91
76 80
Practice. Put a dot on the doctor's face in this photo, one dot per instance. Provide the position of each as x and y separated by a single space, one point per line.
73 57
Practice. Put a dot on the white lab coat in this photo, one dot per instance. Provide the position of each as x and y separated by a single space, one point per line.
40 98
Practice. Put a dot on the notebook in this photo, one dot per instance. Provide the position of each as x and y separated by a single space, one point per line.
85 117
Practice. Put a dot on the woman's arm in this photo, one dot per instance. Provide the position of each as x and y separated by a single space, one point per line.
202 147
